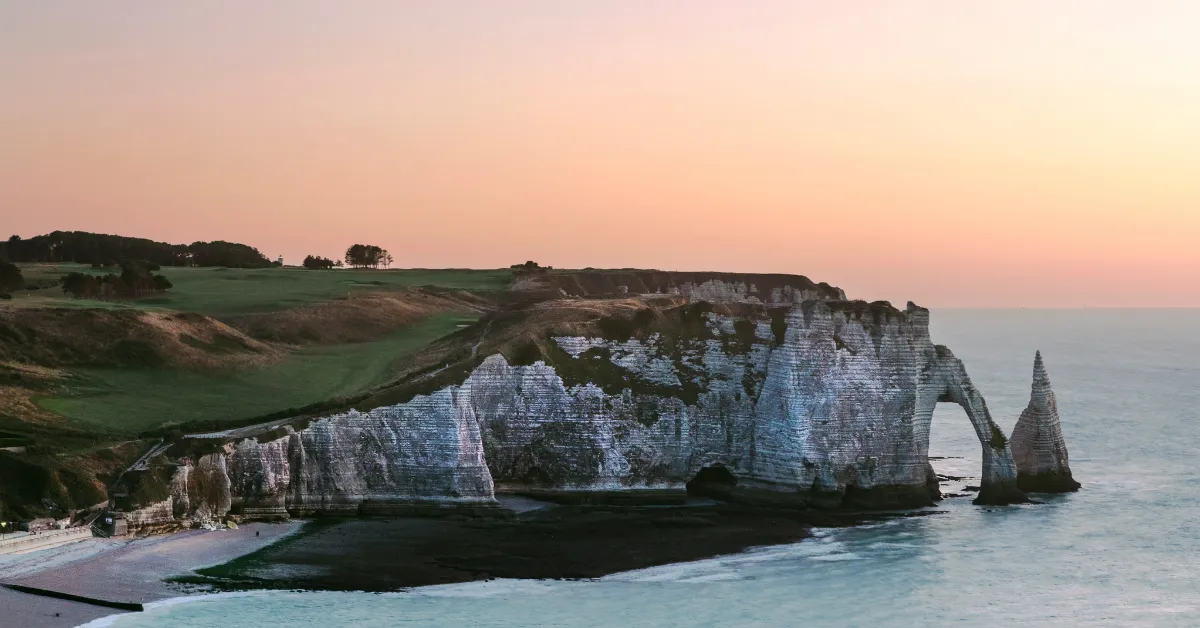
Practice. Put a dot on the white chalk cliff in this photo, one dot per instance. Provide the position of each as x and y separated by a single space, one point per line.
1038 447
824 403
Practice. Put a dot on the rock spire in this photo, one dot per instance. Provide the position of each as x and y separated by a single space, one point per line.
1037 441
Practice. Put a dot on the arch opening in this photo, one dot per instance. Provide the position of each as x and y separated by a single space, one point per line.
955 460
947 382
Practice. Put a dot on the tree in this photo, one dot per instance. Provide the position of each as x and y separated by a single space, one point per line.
8 247
161 283
314 262
10 277
530 267
81 285
364 255
134 281
135 278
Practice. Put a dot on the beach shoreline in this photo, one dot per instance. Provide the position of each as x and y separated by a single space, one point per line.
120 571
539 541
551 543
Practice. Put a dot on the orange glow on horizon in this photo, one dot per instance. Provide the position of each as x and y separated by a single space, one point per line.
1018 153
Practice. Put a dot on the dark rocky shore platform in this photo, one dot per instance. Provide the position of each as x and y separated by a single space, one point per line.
556 542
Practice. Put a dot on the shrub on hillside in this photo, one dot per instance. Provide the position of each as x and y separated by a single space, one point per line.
161 283
10 277
134 281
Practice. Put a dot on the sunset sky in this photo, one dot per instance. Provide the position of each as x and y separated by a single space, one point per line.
954 152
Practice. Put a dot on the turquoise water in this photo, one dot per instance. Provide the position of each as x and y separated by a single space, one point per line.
1122 552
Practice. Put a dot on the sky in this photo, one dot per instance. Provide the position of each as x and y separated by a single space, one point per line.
956 153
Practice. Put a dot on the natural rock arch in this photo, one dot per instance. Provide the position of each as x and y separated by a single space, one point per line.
946 380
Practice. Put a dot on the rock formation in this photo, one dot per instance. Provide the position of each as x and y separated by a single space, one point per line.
392 459
823 403
1037 441
699 286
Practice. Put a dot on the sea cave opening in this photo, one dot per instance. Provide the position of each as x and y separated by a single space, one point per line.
713 481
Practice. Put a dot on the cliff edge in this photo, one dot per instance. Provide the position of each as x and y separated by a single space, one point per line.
778 394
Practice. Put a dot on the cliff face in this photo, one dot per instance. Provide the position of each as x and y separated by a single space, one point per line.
823 403
1037 441
424 453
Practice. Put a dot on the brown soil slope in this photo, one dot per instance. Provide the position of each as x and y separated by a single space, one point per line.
355 319
58 337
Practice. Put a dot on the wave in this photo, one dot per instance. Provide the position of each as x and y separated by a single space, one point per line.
822 546
483 588
110 620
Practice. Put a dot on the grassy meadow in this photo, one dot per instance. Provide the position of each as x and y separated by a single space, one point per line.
127 401
70 425
123 401
227 291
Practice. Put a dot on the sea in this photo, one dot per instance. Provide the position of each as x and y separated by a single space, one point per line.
1123 551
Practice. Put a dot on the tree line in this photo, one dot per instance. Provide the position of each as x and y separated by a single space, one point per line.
314 262
136 279
357 256
368 255
100 249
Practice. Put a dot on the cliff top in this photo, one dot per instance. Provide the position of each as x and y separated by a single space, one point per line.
594 283
526 334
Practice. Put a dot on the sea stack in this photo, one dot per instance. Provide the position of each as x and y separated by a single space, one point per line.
1037 441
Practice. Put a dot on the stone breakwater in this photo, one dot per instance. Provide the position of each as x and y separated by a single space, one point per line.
823 404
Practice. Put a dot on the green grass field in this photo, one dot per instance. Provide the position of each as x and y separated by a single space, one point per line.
127 401
223 291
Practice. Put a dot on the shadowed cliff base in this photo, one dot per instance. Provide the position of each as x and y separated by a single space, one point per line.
1001 494
1047 483
551 543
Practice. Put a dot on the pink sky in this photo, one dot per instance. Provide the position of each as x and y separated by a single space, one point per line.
1016 153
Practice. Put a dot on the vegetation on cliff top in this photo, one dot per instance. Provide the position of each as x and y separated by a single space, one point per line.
224 292
79 376
229 346
135 400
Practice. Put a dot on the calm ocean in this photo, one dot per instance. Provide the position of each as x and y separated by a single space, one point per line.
1124 551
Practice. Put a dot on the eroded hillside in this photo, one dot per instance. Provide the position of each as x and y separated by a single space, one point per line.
80 379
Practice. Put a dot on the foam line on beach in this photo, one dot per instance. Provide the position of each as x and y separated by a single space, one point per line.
109 620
